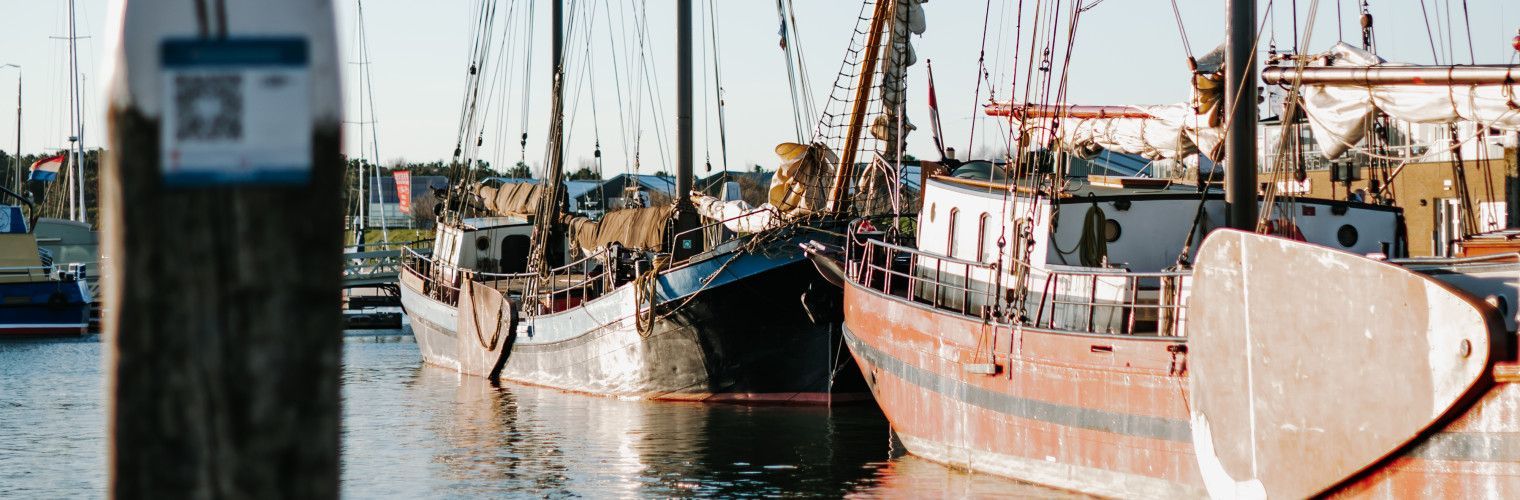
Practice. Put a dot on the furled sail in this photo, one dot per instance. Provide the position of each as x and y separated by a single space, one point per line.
1343 87
799 188
1169 131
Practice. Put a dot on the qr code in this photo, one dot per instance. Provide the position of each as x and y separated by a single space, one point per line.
208 107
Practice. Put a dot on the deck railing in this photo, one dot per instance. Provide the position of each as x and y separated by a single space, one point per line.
1091 301
562 287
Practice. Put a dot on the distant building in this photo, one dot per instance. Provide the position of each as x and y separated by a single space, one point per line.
383 207
618 191
1426 186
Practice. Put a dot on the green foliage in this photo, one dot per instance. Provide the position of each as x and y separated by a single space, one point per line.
519 171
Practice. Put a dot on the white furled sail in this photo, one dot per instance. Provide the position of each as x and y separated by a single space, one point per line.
1170 131
1343 87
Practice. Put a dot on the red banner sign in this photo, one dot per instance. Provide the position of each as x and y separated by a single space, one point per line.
403 190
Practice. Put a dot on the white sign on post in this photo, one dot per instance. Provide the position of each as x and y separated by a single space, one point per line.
236 111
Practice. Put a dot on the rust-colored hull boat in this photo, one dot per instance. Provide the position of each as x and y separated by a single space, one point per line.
1344 375
1119 414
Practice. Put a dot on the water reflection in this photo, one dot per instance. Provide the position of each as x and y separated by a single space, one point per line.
521 440
528 439
419 432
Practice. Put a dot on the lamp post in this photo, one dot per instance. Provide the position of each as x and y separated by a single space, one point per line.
16 184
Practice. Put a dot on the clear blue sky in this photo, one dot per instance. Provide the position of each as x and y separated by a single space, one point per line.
1127 52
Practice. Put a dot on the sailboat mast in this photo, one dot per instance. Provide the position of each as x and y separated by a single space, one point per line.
19 171
73 115
557 59
548 208
1240 95
686 215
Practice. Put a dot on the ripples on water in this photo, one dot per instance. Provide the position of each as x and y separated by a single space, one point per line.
416 431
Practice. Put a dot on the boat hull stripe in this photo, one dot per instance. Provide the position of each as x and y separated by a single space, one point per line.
1033 409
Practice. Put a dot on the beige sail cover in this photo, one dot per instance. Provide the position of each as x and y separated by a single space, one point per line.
799 188
801 184
634 228
512 199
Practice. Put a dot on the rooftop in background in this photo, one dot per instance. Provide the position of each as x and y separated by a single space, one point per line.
575 187
615 184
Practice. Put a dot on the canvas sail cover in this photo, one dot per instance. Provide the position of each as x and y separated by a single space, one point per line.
511 199
799 188
635 228
1338 113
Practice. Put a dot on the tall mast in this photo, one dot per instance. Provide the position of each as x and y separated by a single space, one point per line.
1240 95
548 207
363 63
686 215
558 105
18 173
73 115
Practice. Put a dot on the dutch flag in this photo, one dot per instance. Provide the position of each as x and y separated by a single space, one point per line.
46 169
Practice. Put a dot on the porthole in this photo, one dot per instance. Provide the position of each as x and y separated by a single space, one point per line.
1347 236
482 243
1112 230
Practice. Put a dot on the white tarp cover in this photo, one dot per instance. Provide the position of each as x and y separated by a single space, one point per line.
1338 113
737 215
1173 131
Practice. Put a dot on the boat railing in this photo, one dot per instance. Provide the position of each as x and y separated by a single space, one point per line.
1089 301
440 281
559 288
389 246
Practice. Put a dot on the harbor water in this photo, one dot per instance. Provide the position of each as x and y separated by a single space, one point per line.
416 431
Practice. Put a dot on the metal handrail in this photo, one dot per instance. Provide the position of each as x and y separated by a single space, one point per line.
448 292
1448 261
1130 314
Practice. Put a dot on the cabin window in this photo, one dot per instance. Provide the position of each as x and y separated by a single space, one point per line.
482 243
1347 236
950 241
981 238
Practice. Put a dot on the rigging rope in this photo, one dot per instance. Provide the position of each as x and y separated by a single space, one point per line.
718 83
981 74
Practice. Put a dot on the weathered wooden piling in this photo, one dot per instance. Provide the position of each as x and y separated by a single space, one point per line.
222 234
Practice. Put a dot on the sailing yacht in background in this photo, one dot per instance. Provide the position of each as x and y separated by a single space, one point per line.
69 240
40 295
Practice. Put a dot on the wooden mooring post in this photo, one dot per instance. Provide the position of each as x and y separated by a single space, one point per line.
222 234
